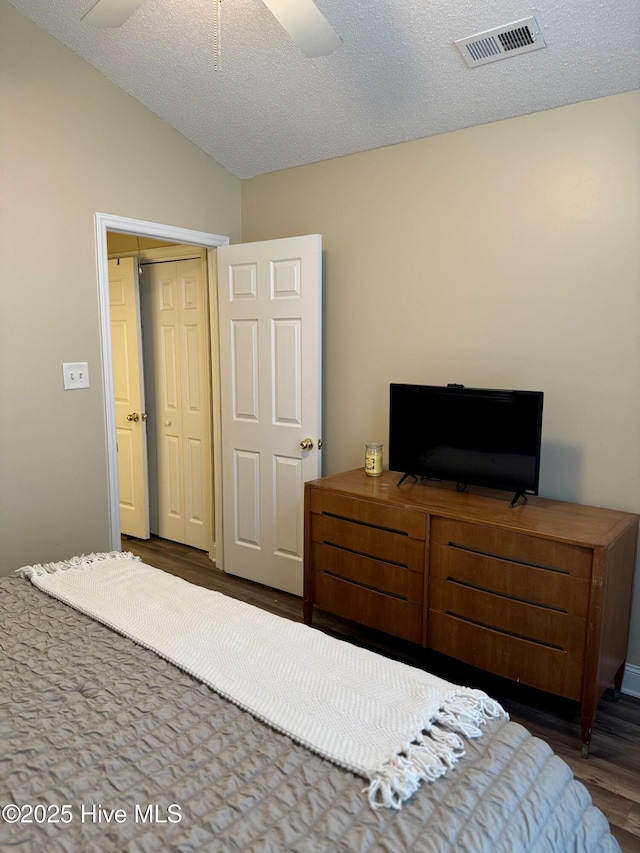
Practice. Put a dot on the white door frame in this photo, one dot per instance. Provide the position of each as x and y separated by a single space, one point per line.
121 224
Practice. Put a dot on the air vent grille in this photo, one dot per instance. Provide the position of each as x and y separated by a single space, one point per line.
513 39
501 42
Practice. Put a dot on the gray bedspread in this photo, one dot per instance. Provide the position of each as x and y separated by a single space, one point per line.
143 758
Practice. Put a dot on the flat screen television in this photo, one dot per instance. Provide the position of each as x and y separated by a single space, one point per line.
470 436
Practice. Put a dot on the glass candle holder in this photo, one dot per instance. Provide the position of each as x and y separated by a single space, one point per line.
373 459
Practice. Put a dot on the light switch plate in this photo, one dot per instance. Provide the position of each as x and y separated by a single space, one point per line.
76 375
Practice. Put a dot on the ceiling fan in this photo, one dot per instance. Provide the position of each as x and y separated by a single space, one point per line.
301 19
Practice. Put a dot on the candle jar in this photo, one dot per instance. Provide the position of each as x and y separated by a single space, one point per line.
373 458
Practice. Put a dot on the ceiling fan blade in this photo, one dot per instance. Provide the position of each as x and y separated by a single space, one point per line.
111 13
306 26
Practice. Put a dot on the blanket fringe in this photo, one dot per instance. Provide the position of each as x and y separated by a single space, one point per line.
434 750
85 561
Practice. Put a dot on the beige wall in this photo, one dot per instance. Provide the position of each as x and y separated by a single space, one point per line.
71 144
506 255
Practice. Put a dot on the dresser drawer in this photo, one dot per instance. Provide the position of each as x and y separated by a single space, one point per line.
512 657
545 588
356 537
368 607
373 574
396 519
552 628
572 560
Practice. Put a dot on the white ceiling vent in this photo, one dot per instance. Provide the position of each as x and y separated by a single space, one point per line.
501 42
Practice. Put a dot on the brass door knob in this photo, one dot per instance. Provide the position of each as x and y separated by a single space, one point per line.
134 416
306 444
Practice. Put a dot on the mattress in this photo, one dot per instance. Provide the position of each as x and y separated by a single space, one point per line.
108 747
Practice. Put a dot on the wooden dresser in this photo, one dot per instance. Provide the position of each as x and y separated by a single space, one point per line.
540 593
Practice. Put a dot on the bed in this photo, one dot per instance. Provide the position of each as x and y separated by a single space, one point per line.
106 746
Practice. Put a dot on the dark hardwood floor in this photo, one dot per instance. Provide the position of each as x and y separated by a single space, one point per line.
612 771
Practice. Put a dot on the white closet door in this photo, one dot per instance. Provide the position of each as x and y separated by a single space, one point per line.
131 430
182 410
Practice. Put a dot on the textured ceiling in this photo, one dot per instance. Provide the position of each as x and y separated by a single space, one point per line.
398 75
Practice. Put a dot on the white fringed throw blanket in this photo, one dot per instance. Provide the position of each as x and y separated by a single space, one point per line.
390 723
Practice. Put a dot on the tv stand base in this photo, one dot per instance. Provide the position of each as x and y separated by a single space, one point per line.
404 477
516 497
461 488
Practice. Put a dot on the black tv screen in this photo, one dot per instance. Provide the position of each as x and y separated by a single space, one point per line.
471 436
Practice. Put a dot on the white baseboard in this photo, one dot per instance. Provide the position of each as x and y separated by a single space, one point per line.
631 680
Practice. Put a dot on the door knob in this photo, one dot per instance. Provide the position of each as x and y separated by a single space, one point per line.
134 416
306 444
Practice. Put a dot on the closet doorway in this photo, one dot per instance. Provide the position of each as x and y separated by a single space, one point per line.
280 504
169 492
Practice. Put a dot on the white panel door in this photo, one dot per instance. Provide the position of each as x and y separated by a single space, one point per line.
181 414
131 429
269 296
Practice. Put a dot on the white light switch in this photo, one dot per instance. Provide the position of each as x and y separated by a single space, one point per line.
76 375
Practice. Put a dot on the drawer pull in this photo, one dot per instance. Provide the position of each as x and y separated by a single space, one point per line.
364 554
499 594
377 589
507 559
366 523
517 636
